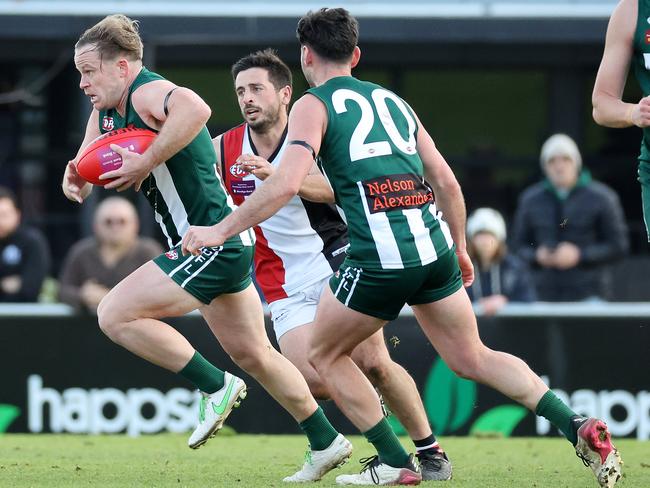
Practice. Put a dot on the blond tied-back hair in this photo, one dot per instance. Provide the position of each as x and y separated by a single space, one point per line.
113 36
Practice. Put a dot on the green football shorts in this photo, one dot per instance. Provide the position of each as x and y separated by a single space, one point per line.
382 293
216 271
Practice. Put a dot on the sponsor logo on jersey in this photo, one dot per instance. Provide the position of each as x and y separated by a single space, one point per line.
237 172
242 188
108 123
172 254
391 192
647 37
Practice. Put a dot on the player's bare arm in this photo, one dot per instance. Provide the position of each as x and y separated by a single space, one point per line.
449 197
315 188
306 124
75 188
608 107
186 115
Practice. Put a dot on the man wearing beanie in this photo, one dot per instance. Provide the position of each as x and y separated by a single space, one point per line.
569 228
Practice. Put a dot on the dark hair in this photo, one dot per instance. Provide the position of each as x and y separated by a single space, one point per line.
7 193
114 35
279 73
332 32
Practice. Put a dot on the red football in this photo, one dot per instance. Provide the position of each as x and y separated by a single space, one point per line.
98 158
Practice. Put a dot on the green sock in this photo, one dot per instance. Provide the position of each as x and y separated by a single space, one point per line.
387 444
318 430
559 414
205 376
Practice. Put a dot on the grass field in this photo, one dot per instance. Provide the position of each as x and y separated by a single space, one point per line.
262 461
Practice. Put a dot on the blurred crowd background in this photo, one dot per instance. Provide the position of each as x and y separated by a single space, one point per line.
503 87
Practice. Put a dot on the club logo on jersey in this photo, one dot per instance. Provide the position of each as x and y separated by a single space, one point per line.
172 254
391 192
647 37
108 123
237 172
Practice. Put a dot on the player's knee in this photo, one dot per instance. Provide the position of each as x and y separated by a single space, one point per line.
109 320
467 366
249 359
376 371
316 358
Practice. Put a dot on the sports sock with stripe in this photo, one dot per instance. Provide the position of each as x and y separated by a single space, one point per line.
428 445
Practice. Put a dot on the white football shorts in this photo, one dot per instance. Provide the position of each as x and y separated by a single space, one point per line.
297 309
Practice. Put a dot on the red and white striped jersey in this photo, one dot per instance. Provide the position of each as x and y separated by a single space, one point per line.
301 244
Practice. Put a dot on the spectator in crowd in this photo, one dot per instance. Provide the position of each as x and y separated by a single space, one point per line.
24 254
569 228
95 264
500 277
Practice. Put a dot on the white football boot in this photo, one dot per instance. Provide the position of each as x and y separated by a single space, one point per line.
375 472
319 463
215 407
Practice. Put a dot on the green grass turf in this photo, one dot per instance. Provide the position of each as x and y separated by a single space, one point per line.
262 461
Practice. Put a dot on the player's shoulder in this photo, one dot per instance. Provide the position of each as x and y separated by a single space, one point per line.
151 91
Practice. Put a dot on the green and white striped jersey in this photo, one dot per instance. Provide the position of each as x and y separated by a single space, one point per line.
369 155
185 190
641 66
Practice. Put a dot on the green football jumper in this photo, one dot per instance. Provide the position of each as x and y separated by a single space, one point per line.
187 190
370 158
641 65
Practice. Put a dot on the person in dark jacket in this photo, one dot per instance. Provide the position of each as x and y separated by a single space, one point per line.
569 228
24 254
500 277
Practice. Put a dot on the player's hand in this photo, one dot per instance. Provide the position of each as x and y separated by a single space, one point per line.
75 188
255 165
135 168
566 255
640 115
198 237
466 267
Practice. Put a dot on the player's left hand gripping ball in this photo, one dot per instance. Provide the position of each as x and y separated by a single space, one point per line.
198 237
133 171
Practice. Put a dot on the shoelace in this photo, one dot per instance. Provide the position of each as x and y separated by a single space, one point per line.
584 459
371 463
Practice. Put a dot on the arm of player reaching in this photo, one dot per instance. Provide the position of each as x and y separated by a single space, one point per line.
314 188
608 107
449 198
306 123
186 115
74 187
